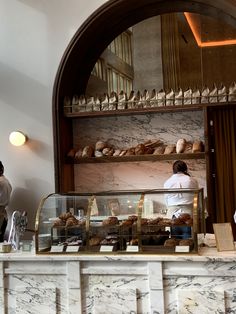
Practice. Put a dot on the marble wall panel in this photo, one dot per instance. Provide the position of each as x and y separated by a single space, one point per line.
131 175
126 132
191 289
114 301
36 291
139 284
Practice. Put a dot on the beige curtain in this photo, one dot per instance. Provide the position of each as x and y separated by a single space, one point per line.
224 121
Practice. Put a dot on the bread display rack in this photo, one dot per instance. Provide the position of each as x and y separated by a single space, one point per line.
118 222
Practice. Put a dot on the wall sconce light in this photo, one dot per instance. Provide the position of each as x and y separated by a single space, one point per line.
17 138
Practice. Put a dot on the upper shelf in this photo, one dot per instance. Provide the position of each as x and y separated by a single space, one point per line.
117 112
124 112
151 157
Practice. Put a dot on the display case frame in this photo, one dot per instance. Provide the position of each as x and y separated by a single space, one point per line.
109 230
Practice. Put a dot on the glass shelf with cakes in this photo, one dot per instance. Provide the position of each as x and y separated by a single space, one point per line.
138 221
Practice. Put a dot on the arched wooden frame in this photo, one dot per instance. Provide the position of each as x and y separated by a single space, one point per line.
89 42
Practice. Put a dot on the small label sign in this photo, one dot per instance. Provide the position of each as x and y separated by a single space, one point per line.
182 248
72 248
57 248
106 248
132 248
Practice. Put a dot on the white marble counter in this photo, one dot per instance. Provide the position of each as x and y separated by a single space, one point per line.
115 284
205 254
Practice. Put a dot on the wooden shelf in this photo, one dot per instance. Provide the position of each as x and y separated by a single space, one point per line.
137 111
126 112
110 159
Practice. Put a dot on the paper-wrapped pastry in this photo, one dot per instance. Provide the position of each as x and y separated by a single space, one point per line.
67 104
138 100
213 94
97 104
113 101
161 98
87 151
222 94
140 149
170 149
205 95
197 147
131 100
170 98
153 98
75 103
196 96
100 145
82 103
178 97
105 102
145 99
232 92
180 145
122 100
90 104
187 97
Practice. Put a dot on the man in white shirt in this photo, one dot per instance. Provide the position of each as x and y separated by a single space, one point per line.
179 203
5 192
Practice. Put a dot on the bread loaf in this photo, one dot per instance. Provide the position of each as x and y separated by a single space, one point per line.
140 149
87 151
180 145
100 145
169 149
197 147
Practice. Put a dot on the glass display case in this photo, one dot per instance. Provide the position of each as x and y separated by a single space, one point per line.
120 222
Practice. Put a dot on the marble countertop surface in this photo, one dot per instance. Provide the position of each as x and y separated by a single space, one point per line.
205 254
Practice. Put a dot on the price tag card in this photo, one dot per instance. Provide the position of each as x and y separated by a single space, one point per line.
56 248
106 248
182 248
132 248
72 248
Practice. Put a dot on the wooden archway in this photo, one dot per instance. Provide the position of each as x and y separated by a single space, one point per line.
92 38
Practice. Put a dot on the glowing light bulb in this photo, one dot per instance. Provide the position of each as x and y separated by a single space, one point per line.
17 138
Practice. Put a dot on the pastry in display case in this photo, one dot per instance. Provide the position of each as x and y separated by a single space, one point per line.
137 221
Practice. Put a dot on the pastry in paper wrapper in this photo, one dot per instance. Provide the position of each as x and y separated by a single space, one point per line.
196 97
232 92
188 96
161 98
213 94
170 98
222 94
179 97
205 95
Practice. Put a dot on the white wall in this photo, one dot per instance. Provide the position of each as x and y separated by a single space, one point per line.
33 37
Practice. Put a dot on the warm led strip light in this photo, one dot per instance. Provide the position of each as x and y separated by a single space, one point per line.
206 44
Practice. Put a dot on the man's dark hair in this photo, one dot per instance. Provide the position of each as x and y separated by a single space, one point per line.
180 166
1 168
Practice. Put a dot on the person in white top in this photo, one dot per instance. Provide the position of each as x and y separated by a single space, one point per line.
5 192
179 203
